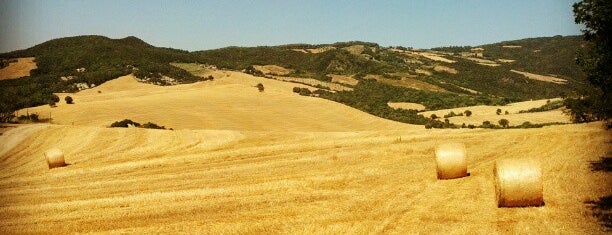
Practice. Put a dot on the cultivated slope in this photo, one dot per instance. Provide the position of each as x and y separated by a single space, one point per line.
230 102
226 182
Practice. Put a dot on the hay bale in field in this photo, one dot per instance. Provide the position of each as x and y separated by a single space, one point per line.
518 183
55 158
451 161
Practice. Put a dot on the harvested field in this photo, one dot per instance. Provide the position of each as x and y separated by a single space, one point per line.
406 82
227 103
273 69
314 82
384 181
19 69
541 77
441 68
488 113
343 79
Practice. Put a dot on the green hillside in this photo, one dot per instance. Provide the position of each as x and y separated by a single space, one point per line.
465 80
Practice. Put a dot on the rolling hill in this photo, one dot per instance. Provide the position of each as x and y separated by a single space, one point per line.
440 78
240 161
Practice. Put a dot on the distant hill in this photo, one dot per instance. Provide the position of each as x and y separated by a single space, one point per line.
458 76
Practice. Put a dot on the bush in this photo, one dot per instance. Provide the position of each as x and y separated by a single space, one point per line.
260 87
68 100
125 123
151 125
467 113
498 112
434 116
471 126
55 98
52 104
302 91
503 122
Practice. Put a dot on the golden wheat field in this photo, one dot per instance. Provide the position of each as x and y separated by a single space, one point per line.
243 162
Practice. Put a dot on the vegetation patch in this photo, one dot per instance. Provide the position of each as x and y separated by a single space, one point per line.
125 123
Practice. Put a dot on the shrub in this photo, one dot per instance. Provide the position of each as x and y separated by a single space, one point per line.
68 100
55 98
498 112
467 113
506 112
471 126
52 104
124 123
434 116
260 87
151 125
503 122
34 117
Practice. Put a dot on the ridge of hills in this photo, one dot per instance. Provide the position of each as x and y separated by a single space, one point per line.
498 76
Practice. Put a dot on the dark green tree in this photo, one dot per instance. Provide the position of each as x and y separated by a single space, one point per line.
504 122
68 100
595 60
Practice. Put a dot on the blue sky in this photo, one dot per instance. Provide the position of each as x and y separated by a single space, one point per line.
199 25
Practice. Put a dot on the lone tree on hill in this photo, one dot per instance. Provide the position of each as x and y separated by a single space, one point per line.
68 100
504 122
260 87
595 60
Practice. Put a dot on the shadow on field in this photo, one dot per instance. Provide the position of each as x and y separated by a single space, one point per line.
602 208
604 164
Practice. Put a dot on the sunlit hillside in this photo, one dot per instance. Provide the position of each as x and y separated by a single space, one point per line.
243 161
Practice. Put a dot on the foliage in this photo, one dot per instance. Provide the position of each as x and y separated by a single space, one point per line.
302 91
125 123
260 87
68 100
452 114
150 125
546 107
467 113
503 122
595 60
103 58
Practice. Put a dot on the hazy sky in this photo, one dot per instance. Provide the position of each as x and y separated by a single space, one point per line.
198 25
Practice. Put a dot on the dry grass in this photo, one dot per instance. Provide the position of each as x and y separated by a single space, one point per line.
242 161
483 113
343 79
441 68
273 69
314 82
433 56
227 103
541 77
21 68
406 82
220 182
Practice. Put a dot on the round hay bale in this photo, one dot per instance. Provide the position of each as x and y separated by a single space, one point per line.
518 183
451 161
55 158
